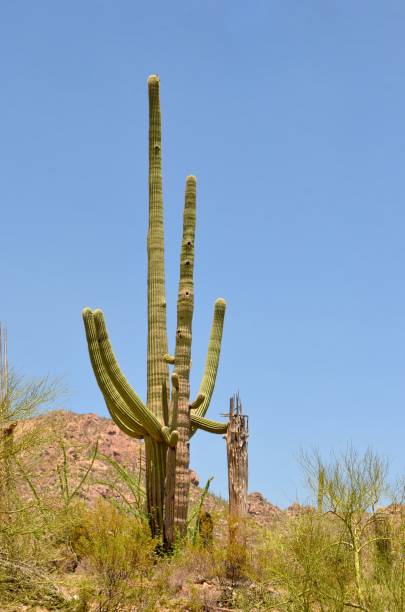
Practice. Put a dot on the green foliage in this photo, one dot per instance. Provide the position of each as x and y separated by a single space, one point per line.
119 553
127 488
195 514
352 486
67 491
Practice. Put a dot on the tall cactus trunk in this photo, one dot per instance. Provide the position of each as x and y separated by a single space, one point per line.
157 369
155 456
182 358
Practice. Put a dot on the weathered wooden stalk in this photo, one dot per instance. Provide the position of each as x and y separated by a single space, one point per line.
237 452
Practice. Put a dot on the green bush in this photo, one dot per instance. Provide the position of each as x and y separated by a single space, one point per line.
118 552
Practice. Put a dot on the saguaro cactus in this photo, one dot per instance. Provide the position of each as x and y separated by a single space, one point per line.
168 419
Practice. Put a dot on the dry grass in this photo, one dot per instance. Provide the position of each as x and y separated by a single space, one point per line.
59 551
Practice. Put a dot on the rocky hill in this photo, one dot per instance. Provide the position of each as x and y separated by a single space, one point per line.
70 439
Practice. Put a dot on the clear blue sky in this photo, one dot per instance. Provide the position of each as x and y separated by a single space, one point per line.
292 116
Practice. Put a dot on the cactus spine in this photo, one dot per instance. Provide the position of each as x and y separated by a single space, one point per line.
168 419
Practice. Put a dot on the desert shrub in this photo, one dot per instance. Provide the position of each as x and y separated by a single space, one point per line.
190 577
386 585
25 549
341 553
296 566
313 568
29 560
118 552
126 486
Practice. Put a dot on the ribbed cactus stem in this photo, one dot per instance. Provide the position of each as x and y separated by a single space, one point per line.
182 357
175 400
157 331
170 483
157 369
155 455
112 396
165 405
197 402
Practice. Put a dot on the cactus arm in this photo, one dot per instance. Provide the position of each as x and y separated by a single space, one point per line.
165 405
185 299
175 380
197 402
114 371
123 423
122 415
170 482
157 334
143 419
182 355
199 422
112 397
168 359
211 363
175 401
170 436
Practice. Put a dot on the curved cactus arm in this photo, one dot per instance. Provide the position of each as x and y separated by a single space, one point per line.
114 401
123 423
198 422
170 436
143 419
133 401
197 402
211 363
